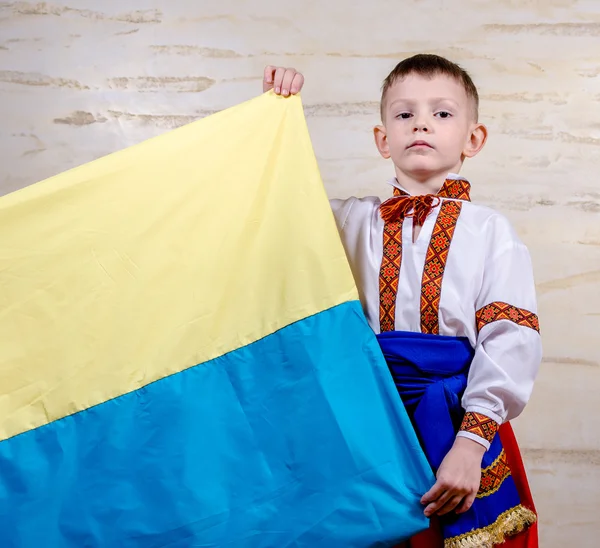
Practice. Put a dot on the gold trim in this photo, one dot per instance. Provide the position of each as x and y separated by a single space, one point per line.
509 523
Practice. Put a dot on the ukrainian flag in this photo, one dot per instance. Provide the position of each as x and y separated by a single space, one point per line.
183 358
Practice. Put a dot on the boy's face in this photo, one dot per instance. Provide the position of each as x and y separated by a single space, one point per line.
429 126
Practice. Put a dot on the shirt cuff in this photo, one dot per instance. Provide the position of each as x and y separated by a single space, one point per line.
474 437
479 428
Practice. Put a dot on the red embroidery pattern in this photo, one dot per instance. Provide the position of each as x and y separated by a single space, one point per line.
496 311
480 425
389 273
493 476
435 264
459 189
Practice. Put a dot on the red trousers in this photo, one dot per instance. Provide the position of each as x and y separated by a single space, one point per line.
432 538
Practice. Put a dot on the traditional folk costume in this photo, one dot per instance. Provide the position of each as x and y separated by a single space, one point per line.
455 315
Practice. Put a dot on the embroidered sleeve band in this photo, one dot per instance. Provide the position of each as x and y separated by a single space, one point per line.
496 311
480 425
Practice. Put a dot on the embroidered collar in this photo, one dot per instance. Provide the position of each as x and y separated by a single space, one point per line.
454 187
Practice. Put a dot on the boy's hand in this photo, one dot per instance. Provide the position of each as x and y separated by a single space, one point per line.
283 81
458 479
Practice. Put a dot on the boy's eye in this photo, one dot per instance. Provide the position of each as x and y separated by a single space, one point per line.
404 115
443 114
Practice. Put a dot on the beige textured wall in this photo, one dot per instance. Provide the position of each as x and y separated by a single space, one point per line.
85 78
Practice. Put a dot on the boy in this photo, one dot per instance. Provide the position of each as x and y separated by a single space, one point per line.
447 286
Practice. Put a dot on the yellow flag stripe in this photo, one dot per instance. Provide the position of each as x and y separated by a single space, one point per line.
162 256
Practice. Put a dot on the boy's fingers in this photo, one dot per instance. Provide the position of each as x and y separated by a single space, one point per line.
268 78
438 503
269 73
278 79
434 493
297 83
283 81
286 83
466 504
450 505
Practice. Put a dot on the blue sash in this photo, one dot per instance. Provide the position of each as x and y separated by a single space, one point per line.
430 373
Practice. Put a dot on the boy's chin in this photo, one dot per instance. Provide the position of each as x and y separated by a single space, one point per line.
421 170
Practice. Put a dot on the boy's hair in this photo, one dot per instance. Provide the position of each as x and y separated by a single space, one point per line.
429 65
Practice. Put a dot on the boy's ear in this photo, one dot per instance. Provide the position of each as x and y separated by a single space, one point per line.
477 140
381 141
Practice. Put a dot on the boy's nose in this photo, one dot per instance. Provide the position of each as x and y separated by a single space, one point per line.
420 127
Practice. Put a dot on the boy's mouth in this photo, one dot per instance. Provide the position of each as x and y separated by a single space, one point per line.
424 144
